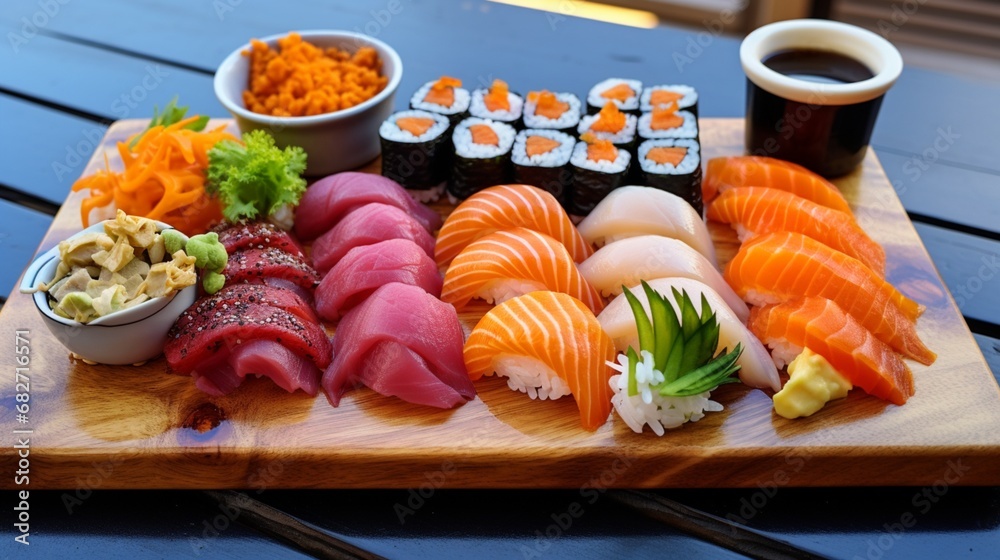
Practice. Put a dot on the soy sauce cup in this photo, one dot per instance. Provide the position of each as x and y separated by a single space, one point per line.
814 88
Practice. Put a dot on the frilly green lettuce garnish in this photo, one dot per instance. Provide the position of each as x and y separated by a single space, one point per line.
682 347
255 179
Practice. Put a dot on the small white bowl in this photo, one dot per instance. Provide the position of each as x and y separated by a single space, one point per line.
125 337
337 141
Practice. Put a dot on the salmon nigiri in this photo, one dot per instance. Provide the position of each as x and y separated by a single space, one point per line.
724 173
505 207
782 266
822 326
757 210
547 345
509 263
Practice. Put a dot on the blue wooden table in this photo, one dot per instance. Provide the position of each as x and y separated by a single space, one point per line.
68 69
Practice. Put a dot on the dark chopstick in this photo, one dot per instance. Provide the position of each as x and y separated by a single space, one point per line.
288 528
710 528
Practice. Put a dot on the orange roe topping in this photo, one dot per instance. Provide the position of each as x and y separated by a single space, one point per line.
536 145
664 118
547 104
484 134
621 92
442 92
496 98
301 79
610 120
664 154
599 150
416 126
664 97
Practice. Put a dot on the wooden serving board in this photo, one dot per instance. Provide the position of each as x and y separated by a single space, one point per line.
141 427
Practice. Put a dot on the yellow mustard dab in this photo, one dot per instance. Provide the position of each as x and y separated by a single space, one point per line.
812 383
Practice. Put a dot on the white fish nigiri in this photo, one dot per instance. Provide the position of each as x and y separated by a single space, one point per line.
757 368
647 257
631 211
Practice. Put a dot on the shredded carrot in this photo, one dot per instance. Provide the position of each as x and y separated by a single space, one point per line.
598 149
416 126
497 98
163 179
301 79
610 119
536 145
547 104
442 92
621 92
664 97
484 134
666 117
666 154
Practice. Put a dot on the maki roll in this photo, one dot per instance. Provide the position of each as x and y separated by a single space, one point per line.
684 97
598 168
416 152
541 158
611 124
672 165
444 97
552 111
667 122
482 156
497 103
623 93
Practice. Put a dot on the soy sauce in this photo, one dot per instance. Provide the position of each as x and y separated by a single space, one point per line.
828 139
822 67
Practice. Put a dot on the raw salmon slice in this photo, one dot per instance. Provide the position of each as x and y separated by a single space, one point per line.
758 210
509 263
822 326
754 171
783 266
545 339
505 207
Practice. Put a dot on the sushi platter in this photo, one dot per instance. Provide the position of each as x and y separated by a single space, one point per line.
141 427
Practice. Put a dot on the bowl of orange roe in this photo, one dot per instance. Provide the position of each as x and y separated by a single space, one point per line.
326 91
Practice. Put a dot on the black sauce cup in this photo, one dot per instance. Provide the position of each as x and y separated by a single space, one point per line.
825 127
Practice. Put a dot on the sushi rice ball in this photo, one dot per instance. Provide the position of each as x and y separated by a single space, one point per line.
667 123
683 96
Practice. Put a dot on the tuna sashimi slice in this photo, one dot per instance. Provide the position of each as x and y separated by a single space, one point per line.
258 235
328 200
364 269
233 294
252 265
822 326
200 334
394 370
366 225
224 373
404 316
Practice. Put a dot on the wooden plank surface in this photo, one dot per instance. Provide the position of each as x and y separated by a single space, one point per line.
81 414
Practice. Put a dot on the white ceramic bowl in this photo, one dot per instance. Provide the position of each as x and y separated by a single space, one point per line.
130 336
334 142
